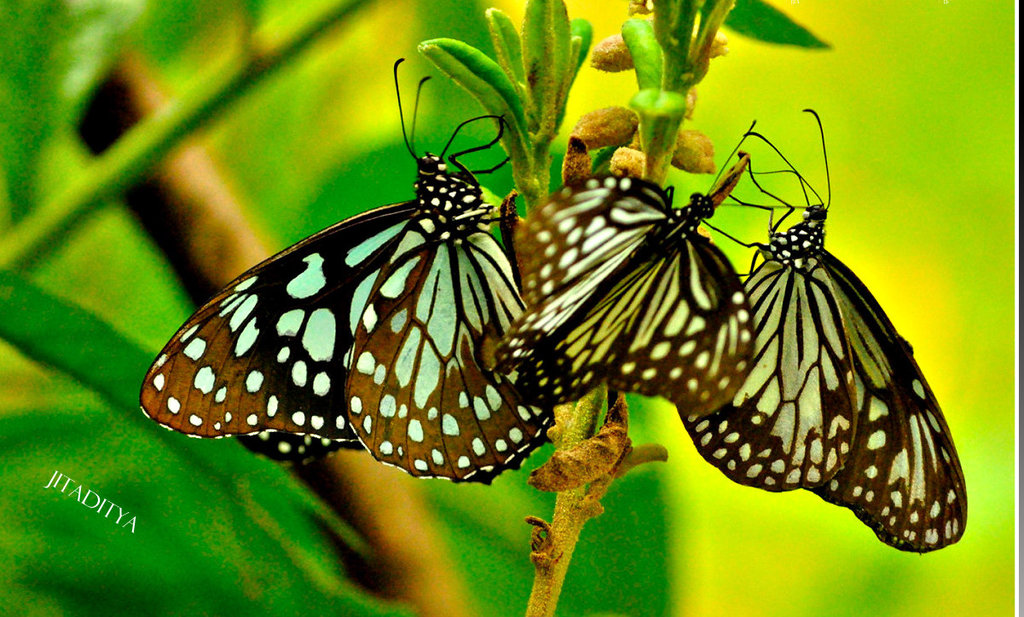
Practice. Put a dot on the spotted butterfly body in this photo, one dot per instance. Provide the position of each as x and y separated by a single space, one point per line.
366 334
836 403
622 289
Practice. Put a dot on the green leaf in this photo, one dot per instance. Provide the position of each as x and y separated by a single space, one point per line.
584 32
507 46
547 47
99 31
643 46
759 20
33 54
60 335
483 78
257 524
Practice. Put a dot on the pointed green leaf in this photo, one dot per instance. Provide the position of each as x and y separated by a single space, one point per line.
584 33
63 336
507 45
483 78
643 46
759 20
547 47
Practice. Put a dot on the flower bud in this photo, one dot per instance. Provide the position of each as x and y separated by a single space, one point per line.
691 102
640 7
611 126
611 55
576 164
627 162
694 153
720 46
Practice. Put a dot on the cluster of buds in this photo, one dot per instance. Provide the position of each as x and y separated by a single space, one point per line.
617 126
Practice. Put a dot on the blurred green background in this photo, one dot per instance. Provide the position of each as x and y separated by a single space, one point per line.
917 101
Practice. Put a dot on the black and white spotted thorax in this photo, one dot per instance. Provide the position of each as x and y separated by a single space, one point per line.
798 245
686 220
450 201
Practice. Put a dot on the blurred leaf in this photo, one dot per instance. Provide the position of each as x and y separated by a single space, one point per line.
34 58
43 328
760 20
52 53
99 28
252 520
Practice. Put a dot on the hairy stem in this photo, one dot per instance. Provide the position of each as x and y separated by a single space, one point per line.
128 160
573 508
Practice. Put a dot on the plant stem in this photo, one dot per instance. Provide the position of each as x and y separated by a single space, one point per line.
573 509
128 160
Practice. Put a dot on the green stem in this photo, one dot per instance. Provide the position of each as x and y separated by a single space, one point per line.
572 510
128 160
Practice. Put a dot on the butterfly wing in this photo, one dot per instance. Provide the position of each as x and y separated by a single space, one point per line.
791 423
420 396
294 448
903 477
617 293
266 353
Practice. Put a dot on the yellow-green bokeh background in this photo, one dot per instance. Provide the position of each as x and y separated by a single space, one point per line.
917 100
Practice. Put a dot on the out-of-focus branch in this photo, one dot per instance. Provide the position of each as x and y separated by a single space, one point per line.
128 160
190 211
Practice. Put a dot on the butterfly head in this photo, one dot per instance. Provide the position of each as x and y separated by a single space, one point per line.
689 218
801 241
815 216
450 201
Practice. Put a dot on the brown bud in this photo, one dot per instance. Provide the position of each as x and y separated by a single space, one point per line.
720 46
611 55
611 126
694 153
583 463
640 7
691 102
628 162
576 164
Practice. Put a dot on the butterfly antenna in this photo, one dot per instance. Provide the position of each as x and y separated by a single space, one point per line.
824 154
416 111
455 156
401 116
803 180
733 153
748 245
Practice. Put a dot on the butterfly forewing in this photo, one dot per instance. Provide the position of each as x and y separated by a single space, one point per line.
420 397
791 423
267 352
903 476
623 290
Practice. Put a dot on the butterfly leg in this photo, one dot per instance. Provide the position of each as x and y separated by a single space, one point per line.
508 222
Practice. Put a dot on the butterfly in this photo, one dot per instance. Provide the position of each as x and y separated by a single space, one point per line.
365 334
835 401
622 289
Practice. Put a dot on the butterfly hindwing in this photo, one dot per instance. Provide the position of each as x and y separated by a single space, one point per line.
421 398
622 289
294 447
791 423
903 477
266 353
